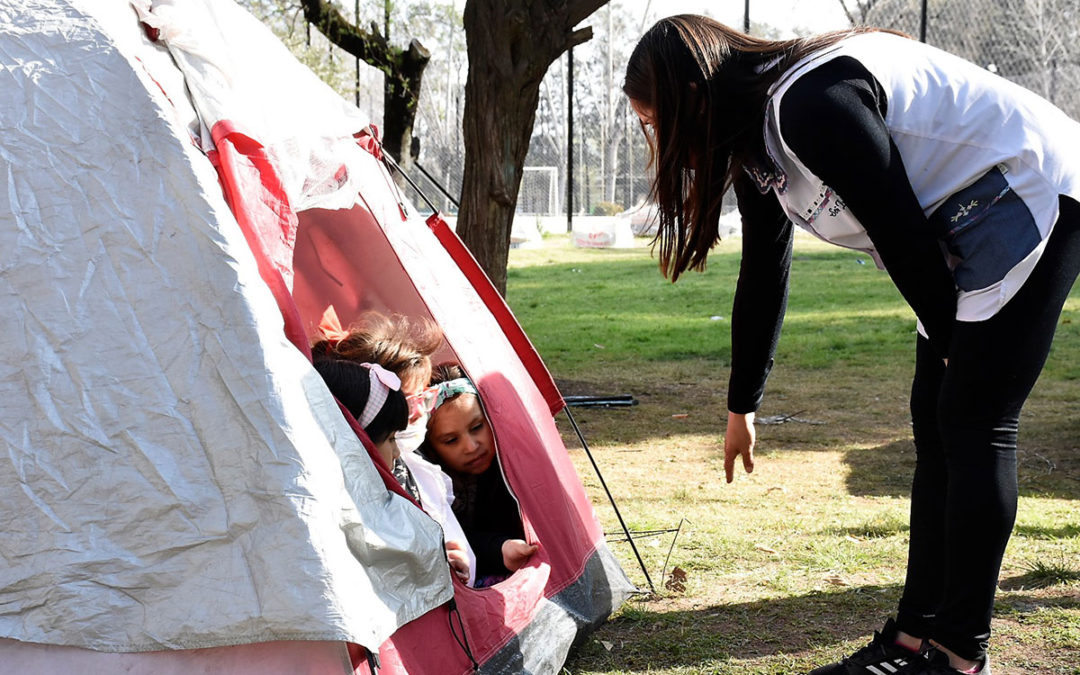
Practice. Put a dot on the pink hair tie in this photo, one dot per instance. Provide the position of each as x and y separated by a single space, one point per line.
382 382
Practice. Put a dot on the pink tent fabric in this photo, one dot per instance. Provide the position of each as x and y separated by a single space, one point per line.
253 189
498 308
372 257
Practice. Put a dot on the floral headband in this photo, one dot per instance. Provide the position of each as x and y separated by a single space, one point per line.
382 382
451 388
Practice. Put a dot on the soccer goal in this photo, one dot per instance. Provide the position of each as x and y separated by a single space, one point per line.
539 193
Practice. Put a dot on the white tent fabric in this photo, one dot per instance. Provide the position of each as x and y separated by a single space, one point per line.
283 657
173 473
236 70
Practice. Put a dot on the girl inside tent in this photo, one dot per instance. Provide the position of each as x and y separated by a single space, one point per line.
460 440
398 343
373 396
403 346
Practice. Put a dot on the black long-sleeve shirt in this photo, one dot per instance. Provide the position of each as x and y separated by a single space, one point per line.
488 514
833 119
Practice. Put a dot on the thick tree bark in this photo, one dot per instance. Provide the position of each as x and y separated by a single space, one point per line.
511 44
403 70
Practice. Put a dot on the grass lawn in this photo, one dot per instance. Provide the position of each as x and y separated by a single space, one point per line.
796 564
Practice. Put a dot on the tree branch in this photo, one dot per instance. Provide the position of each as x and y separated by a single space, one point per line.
417 52
578 37
847 12
579 10
369 46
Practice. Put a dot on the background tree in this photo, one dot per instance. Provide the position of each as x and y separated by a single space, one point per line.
1041 47
1035 43
858 10
609 150
511 44
402 68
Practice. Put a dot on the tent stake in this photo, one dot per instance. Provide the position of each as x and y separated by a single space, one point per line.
611 499
663 573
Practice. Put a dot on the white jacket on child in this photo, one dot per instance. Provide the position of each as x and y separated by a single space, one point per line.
437 498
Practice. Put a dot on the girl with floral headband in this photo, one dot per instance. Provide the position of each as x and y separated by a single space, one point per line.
460 440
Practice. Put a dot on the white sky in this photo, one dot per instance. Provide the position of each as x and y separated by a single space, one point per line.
815 16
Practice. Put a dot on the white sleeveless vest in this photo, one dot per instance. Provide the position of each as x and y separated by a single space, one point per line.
986 158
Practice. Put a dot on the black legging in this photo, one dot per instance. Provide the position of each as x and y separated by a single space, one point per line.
965 419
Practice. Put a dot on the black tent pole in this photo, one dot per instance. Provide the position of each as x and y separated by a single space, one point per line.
611 499
570 139
356 16
437 184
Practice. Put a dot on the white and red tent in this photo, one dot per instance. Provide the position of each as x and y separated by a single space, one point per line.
178 490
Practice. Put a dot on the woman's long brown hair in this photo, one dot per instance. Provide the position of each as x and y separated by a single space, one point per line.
706 85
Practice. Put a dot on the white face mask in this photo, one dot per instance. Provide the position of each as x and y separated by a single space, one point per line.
413 435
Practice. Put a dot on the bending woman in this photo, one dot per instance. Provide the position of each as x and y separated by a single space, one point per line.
961 185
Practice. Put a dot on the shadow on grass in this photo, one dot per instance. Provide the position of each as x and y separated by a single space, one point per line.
1017 602
1040 578
886 471
642 640
1067 531
879 527
1049 470
665 408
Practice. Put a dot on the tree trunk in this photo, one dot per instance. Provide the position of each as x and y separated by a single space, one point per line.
401 93
403 70
511 44
612 165
616 133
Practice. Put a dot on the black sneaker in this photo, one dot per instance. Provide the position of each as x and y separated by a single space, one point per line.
938 664
881 657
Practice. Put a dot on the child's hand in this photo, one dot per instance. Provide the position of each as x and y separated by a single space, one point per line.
459 562
516 553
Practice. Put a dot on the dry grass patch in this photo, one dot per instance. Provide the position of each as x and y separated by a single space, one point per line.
795 564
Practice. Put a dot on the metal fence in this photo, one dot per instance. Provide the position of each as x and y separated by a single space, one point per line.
1035 43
